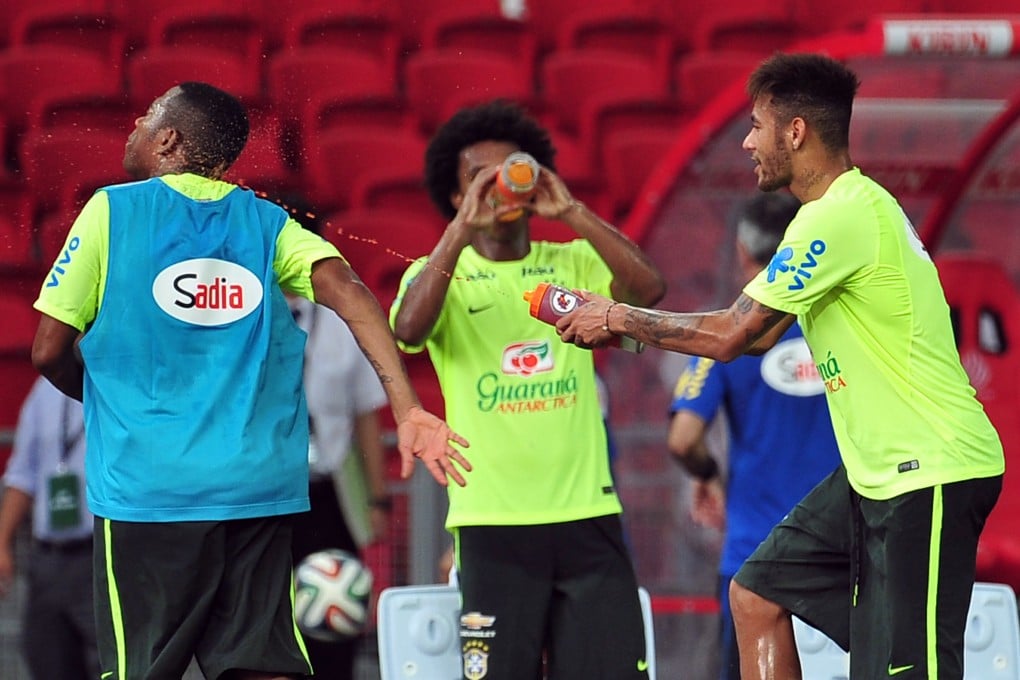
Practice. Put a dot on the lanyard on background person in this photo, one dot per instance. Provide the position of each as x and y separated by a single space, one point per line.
64 485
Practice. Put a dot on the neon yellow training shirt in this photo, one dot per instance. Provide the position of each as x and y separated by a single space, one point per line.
77 300
525 400
869 300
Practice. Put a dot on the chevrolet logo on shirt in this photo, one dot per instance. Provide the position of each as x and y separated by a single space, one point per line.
476 620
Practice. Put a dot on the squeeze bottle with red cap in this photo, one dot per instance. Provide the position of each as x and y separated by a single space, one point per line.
515 183
548 302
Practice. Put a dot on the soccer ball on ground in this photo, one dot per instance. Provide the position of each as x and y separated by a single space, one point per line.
331 594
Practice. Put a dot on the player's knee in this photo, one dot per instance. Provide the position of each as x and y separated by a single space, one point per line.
748 605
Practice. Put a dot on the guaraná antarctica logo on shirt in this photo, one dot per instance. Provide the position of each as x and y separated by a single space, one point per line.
527 358
524 360
831 374
789 369
799 268
207 291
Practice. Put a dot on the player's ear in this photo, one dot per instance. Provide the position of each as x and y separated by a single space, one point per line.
456 198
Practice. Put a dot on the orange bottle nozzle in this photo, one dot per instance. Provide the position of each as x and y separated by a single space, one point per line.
534 298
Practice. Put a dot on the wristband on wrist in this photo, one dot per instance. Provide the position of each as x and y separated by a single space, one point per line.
381 502
705 469
605 322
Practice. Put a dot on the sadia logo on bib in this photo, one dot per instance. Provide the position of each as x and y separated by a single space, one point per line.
207 292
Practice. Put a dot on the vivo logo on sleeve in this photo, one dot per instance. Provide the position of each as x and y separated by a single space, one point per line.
207 292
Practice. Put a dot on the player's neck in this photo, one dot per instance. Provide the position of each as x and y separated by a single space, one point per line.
503 250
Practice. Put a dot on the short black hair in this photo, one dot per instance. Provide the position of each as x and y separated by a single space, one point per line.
498 120
815 87
213 124
762 221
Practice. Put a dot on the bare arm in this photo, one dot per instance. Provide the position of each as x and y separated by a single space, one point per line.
722 335
14 508
423 300
420 434
686 441
53 355
635 279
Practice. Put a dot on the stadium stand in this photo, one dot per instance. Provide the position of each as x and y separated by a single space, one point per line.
152 71
316 70
71 25
350 28
342 158
440 81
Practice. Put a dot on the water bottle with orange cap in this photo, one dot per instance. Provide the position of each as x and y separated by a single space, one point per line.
515 184
548 302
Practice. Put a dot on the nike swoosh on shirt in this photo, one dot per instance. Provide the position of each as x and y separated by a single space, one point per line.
899 669
106 675
475 310
642 665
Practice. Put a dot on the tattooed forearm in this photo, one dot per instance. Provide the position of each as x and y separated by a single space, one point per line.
380 370
659 327
723 334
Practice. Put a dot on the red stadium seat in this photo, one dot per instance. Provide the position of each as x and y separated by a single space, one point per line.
303 81
576 79
738 28
985 309
380 243
16 371
851 14
363 235
154 70
82 26
702 75
330 110
550 16
351 28
629 157
439 82
262 165
85 112
643 34
82 161
40 71
418 18
481 27
233 31
342 158
17 252
14 9
606 117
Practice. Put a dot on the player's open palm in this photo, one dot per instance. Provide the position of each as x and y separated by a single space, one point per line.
423 435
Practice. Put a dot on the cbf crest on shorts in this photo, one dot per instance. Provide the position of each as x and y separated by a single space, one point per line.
476 659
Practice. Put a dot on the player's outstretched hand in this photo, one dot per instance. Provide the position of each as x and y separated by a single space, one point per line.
423 435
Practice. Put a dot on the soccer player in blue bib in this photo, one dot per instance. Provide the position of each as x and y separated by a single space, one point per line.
190 373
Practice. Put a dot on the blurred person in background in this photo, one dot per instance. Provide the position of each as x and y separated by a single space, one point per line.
539 548
345 453
45 480
765 401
